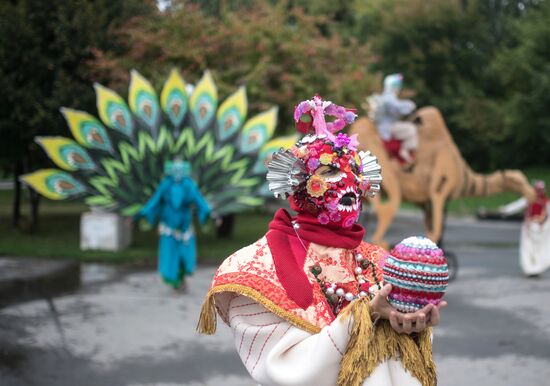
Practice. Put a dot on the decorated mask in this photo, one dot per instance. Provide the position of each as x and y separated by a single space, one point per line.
324 174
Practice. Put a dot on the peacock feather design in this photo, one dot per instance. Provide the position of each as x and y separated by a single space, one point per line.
116 162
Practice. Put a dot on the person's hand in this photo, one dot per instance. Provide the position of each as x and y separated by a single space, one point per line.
379 304
405 322
416 321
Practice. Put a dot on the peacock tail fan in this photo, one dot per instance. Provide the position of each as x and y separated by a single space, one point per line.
116 161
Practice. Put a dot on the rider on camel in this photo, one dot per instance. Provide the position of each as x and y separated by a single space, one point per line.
388 113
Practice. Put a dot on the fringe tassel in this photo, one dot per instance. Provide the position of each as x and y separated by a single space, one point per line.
353 368
425 345
417 357
369 346
207 318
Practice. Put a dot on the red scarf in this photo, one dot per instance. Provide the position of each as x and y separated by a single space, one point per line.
537 208
289 251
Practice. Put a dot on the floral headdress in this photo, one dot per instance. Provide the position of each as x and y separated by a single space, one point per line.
323 173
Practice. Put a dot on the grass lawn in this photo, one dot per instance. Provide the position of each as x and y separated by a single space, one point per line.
58 231
58 236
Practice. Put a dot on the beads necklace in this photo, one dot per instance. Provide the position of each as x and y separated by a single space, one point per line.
336 296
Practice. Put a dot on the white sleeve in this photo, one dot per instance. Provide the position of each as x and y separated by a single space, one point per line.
276 353
514 207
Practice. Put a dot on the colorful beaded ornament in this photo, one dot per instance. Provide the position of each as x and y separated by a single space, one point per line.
417 270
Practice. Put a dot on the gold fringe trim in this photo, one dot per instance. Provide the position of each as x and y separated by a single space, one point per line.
369 346
207 319
353 367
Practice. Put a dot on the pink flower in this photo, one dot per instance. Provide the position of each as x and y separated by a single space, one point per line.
332 206
335 216
323 218
342 140
349 221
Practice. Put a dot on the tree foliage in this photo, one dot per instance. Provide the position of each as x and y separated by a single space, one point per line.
522 69
45 47
459 56
277 51
484 63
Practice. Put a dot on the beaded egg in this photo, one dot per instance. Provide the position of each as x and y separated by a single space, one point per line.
417 270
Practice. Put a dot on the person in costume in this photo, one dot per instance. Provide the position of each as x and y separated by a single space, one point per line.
171 205
306 302
534 245
387 111
116 161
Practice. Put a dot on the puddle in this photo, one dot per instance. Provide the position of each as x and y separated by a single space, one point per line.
97 273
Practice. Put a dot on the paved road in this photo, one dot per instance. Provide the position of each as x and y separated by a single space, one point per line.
128 329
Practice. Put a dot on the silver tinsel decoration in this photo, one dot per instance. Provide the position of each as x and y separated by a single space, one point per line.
371 171
285 174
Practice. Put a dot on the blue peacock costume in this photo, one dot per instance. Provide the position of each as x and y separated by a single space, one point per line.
117 161
172 207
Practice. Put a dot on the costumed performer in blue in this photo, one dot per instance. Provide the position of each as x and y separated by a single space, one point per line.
172 207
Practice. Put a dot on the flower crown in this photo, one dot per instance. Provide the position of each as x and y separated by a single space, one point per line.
290 171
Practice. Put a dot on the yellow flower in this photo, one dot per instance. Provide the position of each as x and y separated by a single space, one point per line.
325 159
316 186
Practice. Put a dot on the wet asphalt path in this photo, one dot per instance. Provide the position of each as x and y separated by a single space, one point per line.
128 329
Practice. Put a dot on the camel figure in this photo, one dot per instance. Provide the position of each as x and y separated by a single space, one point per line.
440 174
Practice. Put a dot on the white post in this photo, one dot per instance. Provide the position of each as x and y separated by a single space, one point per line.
100 230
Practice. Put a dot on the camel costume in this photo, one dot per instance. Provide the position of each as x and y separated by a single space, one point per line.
297 300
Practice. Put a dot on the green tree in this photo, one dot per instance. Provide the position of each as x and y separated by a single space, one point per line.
435 45
446 49
45 53
522 68
280 53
